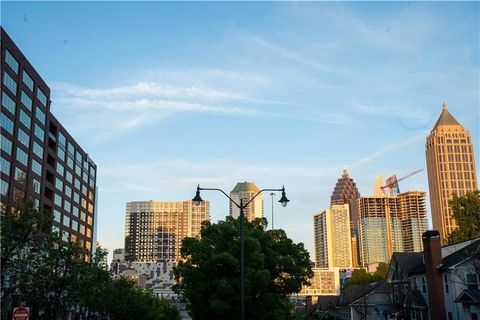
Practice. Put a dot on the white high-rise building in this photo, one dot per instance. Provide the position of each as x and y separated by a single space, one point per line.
246 191
333 241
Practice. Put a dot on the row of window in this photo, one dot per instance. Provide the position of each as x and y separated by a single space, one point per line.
27 80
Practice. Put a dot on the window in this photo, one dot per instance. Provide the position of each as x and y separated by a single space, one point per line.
89 220
472 281
39 132
61 154
27 80
69 177
446 282
8 103
42 97
65 236
424 285
38 149
66 221
40 115
20 175
22 157
36 167
55 230
70 162
25 119
23 137
6 146
11 61
76 198
60 169
78 171
5 166
450 316
58 200
71 149
18 195
77 183
36 186
61 139
74 225
7 124
3 187
84 190
67 206
57 215
59 184
75 211
68 191
474 316
9 83
25 99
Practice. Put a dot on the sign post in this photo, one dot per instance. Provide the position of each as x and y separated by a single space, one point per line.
21 313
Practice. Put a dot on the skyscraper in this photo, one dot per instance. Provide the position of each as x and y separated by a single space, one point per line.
40 160
333 241
154 230
451 169
246 191
346 192
391 224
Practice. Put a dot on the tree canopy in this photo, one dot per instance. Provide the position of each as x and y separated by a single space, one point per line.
209 275
56 278
361 276
466 212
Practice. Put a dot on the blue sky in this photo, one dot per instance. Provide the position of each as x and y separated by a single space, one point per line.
167 95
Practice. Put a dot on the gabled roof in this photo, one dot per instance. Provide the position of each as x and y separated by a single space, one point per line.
376 287
446 118
465 253
328 302
469 296
408 263
415 299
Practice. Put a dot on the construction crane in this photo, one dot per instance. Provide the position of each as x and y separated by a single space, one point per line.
392 182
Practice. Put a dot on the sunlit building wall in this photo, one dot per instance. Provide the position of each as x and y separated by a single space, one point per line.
451 169
154 230
246 191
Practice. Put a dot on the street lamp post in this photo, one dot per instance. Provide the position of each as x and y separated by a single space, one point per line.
273 195
283 201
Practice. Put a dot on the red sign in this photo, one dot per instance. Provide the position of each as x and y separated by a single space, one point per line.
21 313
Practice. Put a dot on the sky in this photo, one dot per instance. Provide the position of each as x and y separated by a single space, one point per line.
164 96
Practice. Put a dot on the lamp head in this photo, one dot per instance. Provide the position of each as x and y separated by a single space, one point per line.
283 200
197 199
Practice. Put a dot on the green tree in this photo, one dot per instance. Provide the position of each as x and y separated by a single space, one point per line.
209 275
55 278
359 276
381 273
466 212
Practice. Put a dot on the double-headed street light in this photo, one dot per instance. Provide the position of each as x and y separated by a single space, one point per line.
283 201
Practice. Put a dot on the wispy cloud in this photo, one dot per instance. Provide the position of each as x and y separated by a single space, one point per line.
394 111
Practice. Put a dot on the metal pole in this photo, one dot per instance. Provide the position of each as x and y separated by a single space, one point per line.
242 262
272 194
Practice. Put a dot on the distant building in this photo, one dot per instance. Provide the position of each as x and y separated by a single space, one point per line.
325 282
40 160
246 191
391 224
154 230
157 276
451 169
332 236
118 255
346 192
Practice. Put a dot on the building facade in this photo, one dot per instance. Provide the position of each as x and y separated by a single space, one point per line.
154 230
40 160
333 241
391 224
346 192
246 191
451 169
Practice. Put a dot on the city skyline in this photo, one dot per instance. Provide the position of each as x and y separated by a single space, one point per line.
160 113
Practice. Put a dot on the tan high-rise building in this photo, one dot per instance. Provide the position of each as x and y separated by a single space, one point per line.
154 230
451 169
391 224
333 241
246 191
